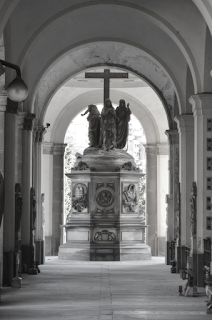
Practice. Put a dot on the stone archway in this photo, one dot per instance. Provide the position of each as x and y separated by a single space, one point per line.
154 123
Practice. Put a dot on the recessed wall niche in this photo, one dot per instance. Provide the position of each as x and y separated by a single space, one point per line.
209 183
208 203
209 124
209 163
209 223
209 144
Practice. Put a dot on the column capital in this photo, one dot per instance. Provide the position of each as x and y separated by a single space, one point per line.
12 107
173 136
185 122
21 116
38 133
59 148
201 104
28 121
3 101
163 149
47 147
151 149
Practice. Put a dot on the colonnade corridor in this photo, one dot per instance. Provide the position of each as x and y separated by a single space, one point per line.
101 291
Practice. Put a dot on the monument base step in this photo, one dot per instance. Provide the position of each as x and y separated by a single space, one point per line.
74 251
79 251
135 251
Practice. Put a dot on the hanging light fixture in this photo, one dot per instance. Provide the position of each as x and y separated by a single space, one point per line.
17 90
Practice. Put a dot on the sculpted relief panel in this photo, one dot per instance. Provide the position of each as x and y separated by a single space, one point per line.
80 197
104 235
130 197
105 197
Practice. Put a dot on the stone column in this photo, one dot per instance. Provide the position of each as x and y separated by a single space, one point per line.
21 117
39 236
58 186
202 111
162 190
3 104
27 248
173 212
47 183
185 125
11 133
151 197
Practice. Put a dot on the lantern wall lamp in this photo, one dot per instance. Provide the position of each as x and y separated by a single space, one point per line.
17 90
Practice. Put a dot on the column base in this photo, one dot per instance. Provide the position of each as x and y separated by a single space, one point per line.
55 245
16 282
161 245
181 258
48 246
33 271
198 273
27 258
52 245
9 267
39 249
170 252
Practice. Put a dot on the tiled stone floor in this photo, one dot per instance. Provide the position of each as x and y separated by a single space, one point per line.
101 291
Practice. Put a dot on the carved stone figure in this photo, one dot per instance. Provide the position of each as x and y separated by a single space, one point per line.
108 126
193 208
94 125
79 197
33 208
123 113
130 200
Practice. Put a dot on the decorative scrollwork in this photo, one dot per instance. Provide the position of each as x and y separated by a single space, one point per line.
128 166
81 166
104 235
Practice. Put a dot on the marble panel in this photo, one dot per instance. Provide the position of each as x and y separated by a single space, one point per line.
77 235
131 235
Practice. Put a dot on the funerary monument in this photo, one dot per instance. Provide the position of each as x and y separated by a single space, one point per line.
104 222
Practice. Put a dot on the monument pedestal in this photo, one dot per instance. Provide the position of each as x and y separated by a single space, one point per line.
104 223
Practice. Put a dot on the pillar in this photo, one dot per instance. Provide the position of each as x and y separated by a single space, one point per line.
151 197
39 234
58 186
185 124
27 246
3 104
173 197
202 112
46 185
162 190
10 165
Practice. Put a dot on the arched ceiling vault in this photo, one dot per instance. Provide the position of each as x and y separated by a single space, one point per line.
162 31
205 7
154 125
123 56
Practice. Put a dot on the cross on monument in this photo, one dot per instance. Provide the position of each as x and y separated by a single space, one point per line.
106 75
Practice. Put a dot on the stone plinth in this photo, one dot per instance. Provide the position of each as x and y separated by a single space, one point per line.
104 223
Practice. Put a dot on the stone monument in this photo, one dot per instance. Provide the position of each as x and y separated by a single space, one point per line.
104 223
